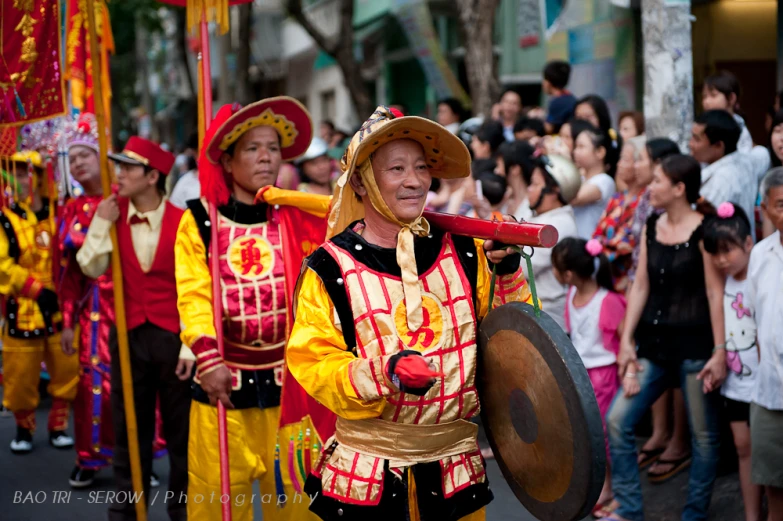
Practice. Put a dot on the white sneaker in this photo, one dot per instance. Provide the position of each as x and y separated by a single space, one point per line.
21 446
60 440
154 480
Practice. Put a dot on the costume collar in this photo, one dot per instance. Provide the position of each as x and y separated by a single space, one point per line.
154 217
242 213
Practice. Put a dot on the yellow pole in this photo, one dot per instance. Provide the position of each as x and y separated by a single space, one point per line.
119 299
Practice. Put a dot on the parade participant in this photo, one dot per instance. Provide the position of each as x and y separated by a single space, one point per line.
146 229
315 168
33 319
261 251
385 333
88 307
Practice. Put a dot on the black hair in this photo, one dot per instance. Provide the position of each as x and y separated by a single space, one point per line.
481 166
493 187
578 126
192 163
720 127
557 73
720 234
456 107
525 123
570 254
680 168
660 148
601 110
510 89
551 185
725 83
491 132
162 178
328 123
612 147
777 119
518 153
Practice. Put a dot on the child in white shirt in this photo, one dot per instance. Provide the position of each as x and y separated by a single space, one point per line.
594 153
727 238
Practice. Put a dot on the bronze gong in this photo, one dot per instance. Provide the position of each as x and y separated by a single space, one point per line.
540 413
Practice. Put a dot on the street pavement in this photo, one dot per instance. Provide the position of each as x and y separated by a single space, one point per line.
35 487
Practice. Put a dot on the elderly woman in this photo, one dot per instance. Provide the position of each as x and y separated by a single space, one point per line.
614 227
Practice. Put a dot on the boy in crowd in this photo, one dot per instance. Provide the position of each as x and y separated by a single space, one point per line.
721 91
765 296
562 103
527 129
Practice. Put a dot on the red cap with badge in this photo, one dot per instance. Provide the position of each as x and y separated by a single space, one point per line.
140 151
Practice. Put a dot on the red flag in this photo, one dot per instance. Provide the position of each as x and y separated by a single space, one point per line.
78 55
303 229
31 83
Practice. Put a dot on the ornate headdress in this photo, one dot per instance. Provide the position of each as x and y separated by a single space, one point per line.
43 136
83 132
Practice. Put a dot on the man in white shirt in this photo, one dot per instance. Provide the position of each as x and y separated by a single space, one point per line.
729 175
765 295
187 187
554 183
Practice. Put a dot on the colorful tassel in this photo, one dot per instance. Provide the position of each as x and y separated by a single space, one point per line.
292 466
19 104
300 455
280 488
308 454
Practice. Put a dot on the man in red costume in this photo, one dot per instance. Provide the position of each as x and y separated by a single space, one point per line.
261 247
88 307
146 229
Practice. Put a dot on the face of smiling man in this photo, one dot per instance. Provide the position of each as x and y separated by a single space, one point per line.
403 178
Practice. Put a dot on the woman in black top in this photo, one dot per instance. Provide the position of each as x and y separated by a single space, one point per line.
675 317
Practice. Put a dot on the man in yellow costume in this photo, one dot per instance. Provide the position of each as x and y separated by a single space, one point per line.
32 316
261 248
385 333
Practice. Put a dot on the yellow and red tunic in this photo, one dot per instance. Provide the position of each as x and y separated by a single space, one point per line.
25 268
351 319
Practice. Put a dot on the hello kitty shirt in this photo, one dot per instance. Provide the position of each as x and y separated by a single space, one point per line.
742 355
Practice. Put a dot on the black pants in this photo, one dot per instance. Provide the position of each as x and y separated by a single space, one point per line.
154 353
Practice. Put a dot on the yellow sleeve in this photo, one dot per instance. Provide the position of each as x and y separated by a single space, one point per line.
318 358
508 288
194 283
12 276
94 255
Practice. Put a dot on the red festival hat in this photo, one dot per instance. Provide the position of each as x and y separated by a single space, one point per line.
286 115
140 151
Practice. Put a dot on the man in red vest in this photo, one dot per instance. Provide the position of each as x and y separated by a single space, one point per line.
146 230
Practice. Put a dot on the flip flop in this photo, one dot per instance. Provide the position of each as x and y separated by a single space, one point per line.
677 466
650 457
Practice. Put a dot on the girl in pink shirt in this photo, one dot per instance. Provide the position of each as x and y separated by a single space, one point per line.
593 315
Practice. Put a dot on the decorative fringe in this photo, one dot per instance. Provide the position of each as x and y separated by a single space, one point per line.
214 10
280 488
292 466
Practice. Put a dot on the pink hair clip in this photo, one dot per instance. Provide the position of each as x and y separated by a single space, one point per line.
725 210
594 247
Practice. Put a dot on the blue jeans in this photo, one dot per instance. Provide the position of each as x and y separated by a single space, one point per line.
626 413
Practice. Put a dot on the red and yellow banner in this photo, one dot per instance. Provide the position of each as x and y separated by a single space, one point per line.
31 83
78 56
215 10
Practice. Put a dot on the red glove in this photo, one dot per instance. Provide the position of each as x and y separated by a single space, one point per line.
411 372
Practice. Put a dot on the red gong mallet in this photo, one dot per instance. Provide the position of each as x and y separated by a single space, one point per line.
511 233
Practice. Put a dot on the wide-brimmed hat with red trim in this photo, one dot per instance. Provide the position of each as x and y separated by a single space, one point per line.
140 151
286 115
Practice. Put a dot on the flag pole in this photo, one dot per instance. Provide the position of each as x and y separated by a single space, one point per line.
217 311
119 298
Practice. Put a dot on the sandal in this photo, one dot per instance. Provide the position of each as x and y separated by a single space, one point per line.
678 466
650 456
604 510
